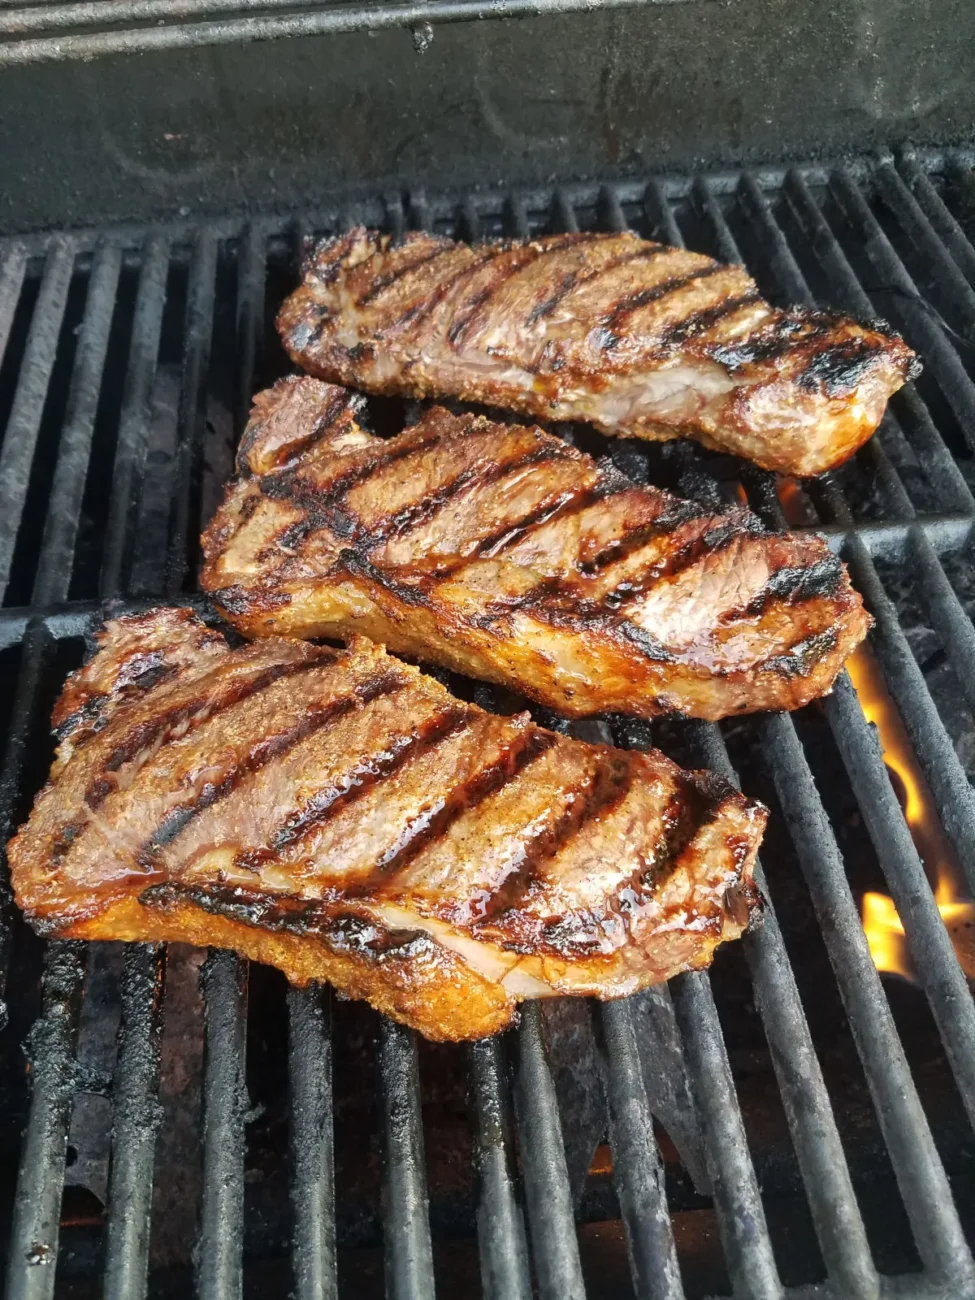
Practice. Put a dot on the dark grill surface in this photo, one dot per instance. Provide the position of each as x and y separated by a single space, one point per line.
836 1108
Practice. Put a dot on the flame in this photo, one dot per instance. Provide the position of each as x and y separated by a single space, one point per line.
885 935
881 923
790 494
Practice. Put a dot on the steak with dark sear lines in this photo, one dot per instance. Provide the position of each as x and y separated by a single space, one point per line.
339 815
504 553
642 340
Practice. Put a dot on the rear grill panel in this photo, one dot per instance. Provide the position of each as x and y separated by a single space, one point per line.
833 1143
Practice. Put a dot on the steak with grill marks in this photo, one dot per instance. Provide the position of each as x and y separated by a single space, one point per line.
340 815
504 553
642 340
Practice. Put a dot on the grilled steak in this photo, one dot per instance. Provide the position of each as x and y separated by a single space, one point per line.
642 340
341 816
504 553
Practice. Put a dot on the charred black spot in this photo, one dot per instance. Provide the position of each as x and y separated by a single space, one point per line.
798 584
65 837
360 567
837 370
235 600
88 715
308 918
646 643
800 659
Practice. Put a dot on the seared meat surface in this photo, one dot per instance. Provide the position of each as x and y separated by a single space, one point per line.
640 339
340 815
504 553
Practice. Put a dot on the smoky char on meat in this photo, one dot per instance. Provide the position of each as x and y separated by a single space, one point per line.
640 339
504 553
340 815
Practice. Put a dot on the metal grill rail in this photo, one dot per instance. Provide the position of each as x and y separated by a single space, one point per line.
88 28
890 218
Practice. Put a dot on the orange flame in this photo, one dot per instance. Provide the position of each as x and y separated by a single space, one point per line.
790 494
881 923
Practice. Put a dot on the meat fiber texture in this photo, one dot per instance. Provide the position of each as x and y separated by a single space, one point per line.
341 816
639 339
504 553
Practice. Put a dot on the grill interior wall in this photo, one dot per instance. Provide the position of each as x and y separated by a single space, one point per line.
838 1148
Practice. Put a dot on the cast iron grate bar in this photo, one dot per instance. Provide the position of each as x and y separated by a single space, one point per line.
500 1223
137 1119
525 1220
130 447
312 1143
551 1223
406 1220
23 425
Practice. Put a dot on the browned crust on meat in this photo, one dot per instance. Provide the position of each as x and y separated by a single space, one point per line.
640 339
504 553
402 974
341 816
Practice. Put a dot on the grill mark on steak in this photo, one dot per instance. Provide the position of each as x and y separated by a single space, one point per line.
477 305
361 780
688 810
337 247
774 340
601 794
702 547
196 713
802 656
491 779
345 403
793 586
587 275
675 514
284 485
263 752
700 322
565 506
419 312
384 282
632 302
287 914
355 562
839 367
479 475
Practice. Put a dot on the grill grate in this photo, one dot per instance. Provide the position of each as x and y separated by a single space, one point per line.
97 506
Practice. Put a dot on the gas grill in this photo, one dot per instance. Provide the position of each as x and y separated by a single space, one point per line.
791 1124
